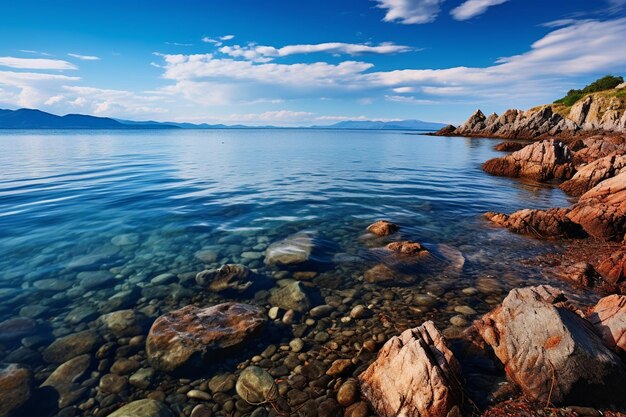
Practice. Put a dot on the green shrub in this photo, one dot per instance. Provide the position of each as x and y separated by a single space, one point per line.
602 84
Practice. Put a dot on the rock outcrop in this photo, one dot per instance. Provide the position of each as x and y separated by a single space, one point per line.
550 352
415 374
609 319
590 175
509 146
541 161
546 224
601 211
613 268
192 334
593 113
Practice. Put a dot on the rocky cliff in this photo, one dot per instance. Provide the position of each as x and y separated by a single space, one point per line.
595 113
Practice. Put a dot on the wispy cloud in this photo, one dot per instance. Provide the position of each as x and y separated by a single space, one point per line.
227 37
84 57
219 40
29 51
410 11
473 8
178 44
36 63
262 53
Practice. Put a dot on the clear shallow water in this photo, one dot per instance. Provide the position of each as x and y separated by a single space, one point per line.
64 195
91 221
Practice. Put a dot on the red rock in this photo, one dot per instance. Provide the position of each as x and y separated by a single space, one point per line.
541 161
192 333
545 224
609 319
613 267
15 387
415 374
509 146
382 228
588 176
601 211
407 248
550 352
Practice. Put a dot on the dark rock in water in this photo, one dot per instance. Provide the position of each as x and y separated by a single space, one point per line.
446 131
550 352
415 374
292 295
68 347
601 211
382 228
125 323
609 319
541 161
63 379
112 384
292 251
384 275
193 334
256 386
143 408
230 277
592 174
544 224
509 146
16 328
15 387
52 284
91 280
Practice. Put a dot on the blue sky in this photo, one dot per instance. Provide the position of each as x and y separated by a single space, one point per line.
301 63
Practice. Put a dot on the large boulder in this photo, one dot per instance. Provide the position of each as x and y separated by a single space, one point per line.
292 251
415 374
541 161
545 224
143 408
601 211
191 334
15 387
550 352
590 175
609 319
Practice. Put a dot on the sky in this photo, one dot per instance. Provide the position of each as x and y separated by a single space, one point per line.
291 63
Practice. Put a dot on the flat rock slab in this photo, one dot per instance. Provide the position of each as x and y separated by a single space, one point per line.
415 374
550 352
191 333
609 319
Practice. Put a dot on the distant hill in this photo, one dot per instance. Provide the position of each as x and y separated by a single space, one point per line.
37 119
378 125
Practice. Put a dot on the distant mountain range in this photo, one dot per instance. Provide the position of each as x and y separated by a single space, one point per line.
37 119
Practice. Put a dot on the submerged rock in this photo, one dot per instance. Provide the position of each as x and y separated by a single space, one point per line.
383 275
415 374
291 295
16 328
70 346
15 387
601 211
256 386
143 408
63 380
609 319
382 228
193 333
230 277
544 224
541 161
291 251
407 248
125 323
550 352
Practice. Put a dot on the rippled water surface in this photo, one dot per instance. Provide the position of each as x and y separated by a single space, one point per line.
90 222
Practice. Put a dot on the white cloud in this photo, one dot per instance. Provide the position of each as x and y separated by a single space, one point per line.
218 41
85 57
410 11
270 117
408 99
29 51
262 53
36 63
473 8
227 37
